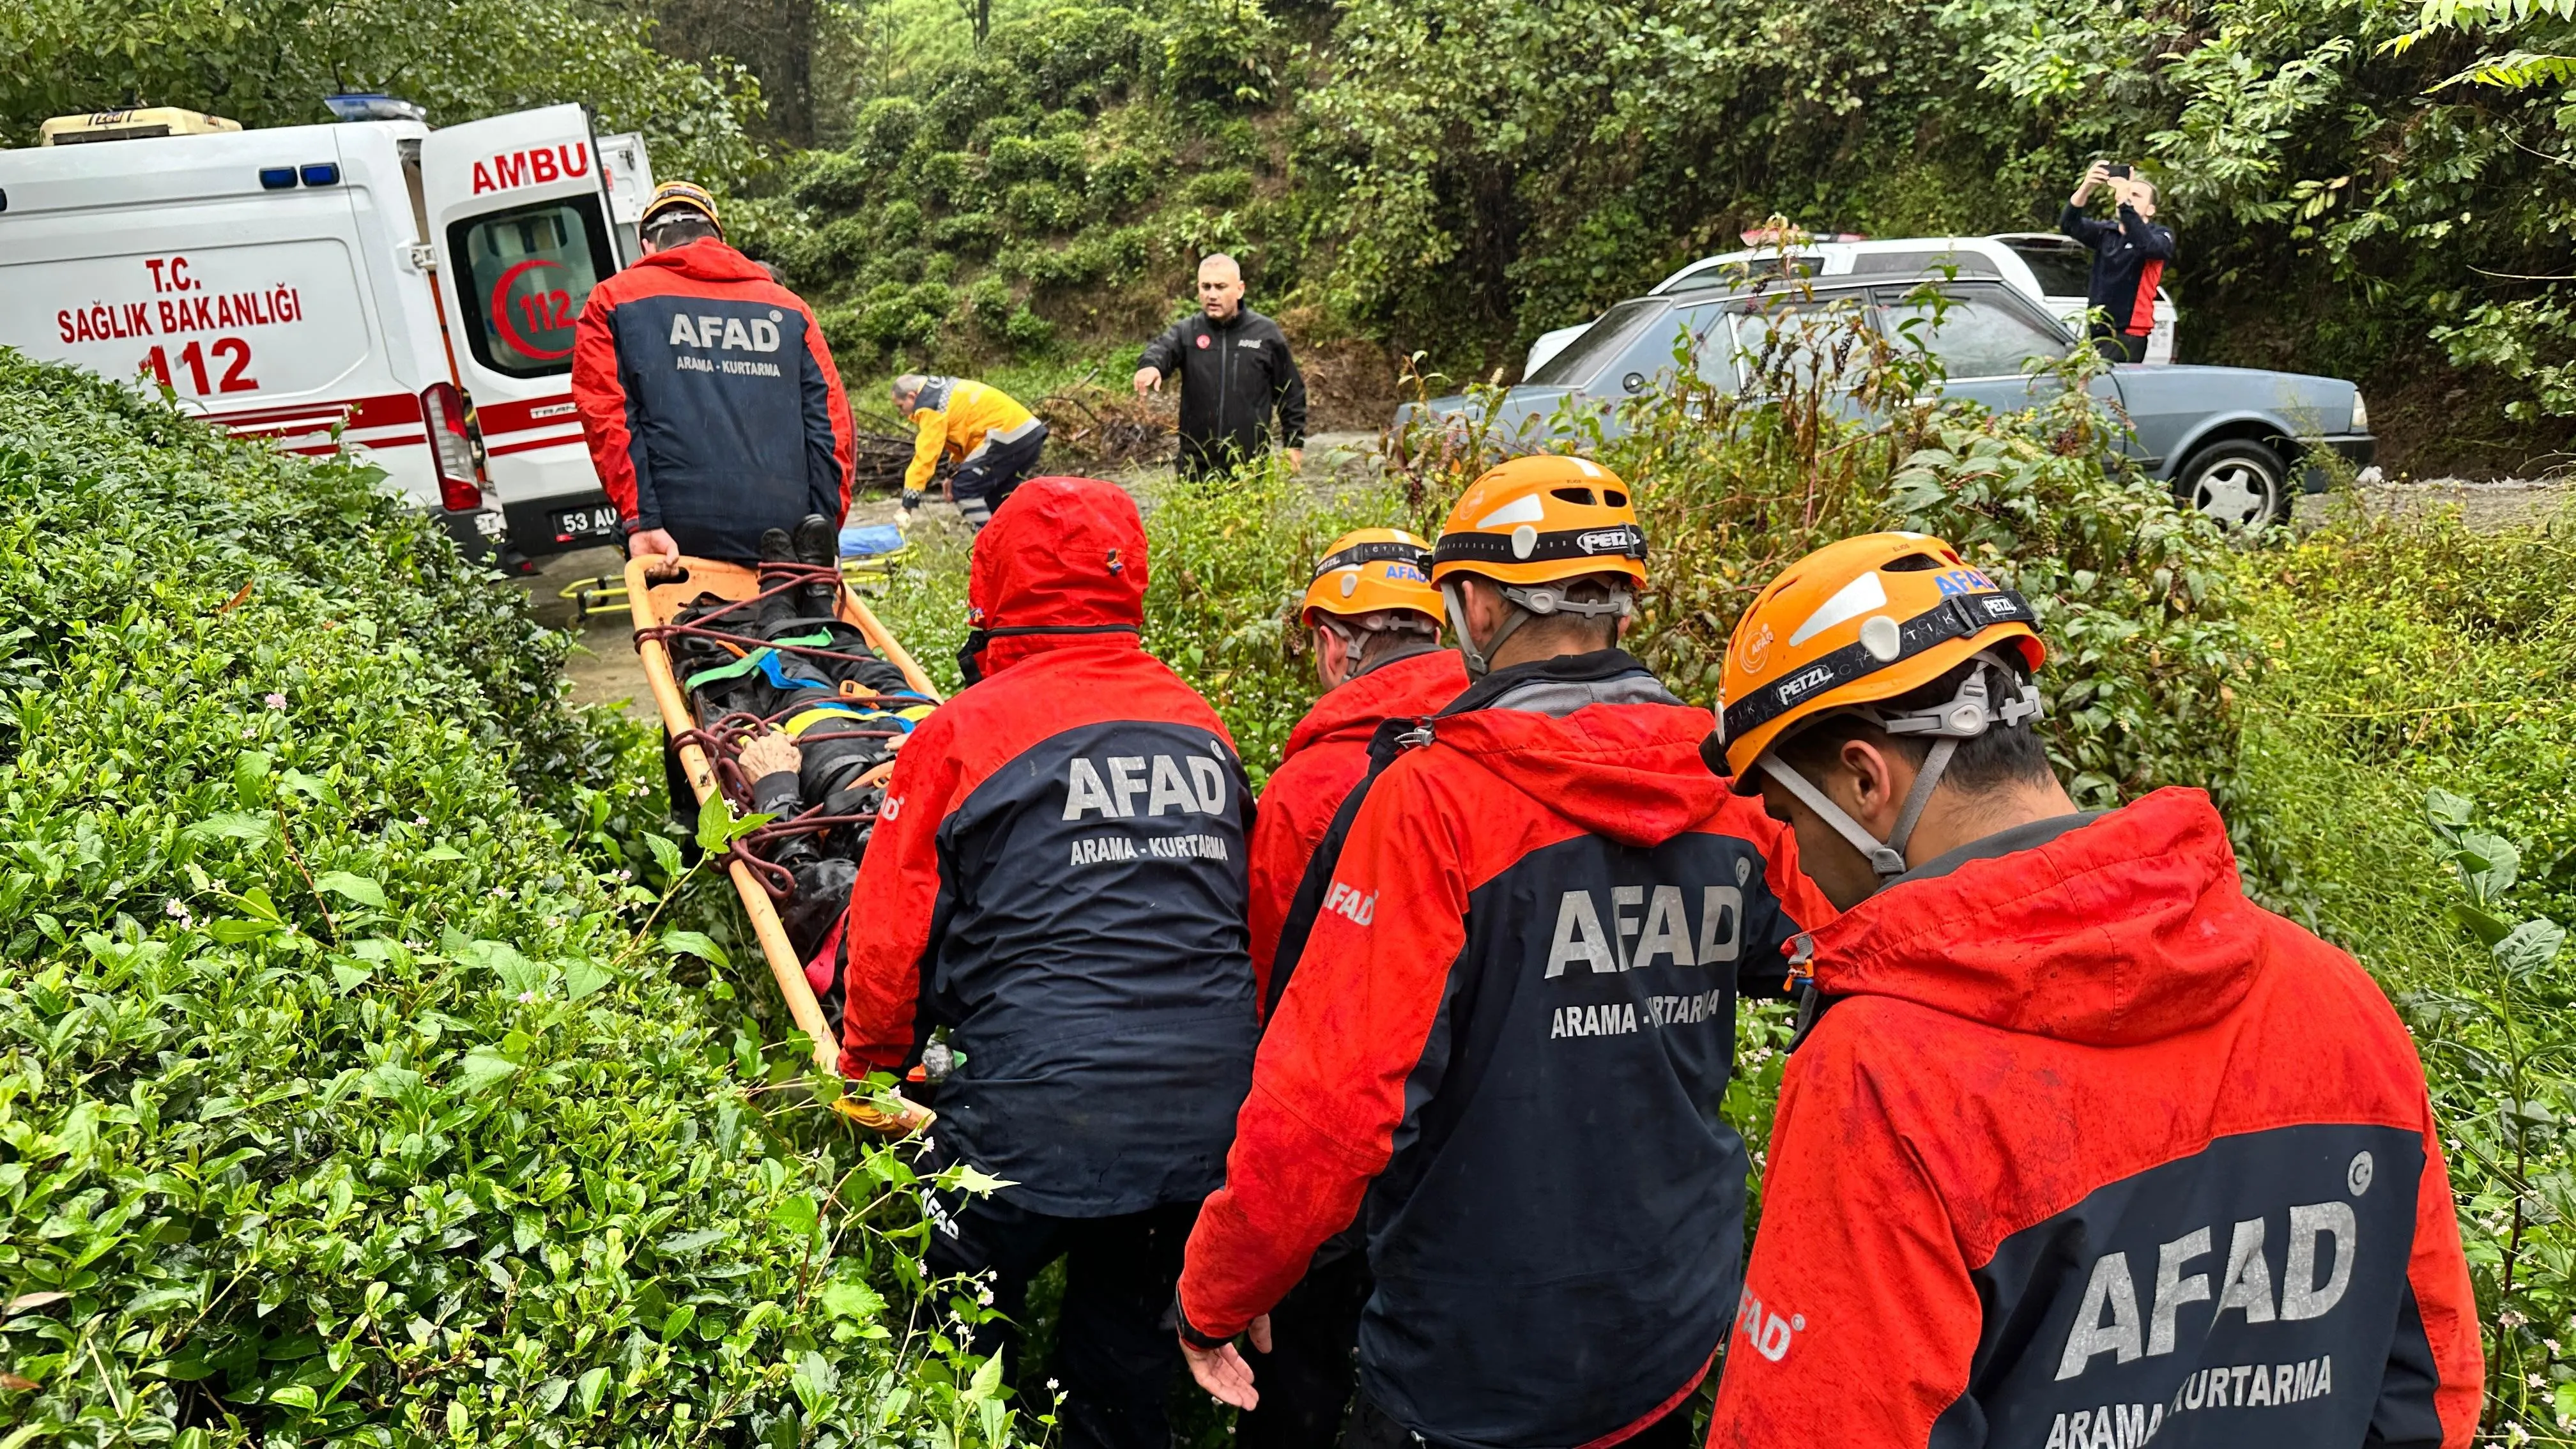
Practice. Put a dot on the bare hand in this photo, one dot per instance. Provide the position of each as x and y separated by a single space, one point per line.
655 541
770 753
1296 458
2098 174
1148 379
1223 1373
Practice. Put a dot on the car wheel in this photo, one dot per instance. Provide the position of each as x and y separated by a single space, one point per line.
2239 484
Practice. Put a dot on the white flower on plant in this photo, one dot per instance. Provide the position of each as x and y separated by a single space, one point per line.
421 820
276 700
2550 1344
2511 1319
525 997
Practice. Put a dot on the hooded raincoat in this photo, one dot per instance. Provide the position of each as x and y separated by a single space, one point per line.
1504 1048
2091 1151
1057 876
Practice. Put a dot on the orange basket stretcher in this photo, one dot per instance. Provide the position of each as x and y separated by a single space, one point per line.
656 602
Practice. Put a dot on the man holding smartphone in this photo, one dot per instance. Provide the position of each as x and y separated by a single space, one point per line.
2129 257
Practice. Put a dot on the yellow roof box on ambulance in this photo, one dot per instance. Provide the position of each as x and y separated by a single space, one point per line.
370 286
131 126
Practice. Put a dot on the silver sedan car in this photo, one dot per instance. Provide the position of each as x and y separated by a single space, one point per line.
2231 441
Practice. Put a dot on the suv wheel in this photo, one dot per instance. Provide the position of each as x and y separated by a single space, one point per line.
2239 484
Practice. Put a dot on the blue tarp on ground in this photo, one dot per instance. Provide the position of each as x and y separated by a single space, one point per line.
868 539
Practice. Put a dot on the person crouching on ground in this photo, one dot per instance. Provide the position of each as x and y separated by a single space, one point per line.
995 441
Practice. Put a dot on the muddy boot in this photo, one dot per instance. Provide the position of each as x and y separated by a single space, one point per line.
818 543
775 548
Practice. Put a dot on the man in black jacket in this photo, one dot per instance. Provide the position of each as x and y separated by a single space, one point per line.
1234 370
2129 258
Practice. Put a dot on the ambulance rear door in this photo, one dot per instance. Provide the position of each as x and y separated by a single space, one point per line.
519 212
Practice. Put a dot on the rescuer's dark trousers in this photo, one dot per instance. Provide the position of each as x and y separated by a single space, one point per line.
1307 1377
1373 1428
1115 1349
997 466
2118 346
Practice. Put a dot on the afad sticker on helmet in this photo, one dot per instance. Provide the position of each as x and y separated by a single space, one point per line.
1957 581
1405 573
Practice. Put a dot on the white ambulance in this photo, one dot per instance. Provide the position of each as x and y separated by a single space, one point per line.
375 286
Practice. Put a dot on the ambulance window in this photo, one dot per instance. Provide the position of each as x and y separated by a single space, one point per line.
526 273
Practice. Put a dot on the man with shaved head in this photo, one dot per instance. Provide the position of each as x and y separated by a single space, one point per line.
1235 372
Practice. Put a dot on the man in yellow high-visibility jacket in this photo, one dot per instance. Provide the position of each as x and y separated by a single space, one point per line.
995 440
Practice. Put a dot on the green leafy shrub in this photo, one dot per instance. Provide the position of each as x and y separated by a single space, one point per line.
1042 208
1015 158
1229 187
952 178
1027 332
968 234
899 222
1122 180
836 182
342 1099
884 131
1222 55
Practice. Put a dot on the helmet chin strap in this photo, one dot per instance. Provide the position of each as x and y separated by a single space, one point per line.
1527 603
1886 857
1970 713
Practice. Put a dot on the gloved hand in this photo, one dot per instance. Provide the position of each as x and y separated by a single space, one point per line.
911 499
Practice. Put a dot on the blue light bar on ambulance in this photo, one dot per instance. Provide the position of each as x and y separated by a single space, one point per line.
276 178
373 106
322 173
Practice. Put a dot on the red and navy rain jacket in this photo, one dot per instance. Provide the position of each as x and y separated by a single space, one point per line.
1503 1047
2129 257
1327 754
2090 1151
709 401
1057 876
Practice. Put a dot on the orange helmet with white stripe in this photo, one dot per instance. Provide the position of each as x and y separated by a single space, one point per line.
1371 570
1533 522
1855 625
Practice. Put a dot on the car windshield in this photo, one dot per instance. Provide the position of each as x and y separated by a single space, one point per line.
2064 268
1599 343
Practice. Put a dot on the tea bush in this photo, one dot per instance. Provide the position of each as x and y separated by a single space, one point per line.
342 1099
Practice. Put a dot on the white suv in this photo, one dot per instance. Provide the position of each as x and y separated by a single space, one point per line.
2050 269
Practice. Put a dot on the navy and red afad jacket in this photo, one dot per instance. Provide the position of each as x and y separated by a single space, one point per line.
1503 1047
709 401
1057 876
2091 1152
1326 755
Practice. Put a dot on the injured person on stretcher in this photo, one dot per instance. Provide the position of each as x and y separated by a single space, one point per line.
801 720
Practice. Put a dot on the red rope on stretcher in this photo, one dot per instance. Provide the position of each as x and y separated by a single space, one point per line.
721 743
790 576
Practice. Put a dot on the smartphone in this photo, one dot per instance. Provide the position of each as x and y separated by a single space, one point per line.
2117 171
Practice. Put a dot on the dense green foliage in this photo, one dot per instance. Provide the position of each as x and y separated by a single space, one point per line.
270 63
2411 751
342 1099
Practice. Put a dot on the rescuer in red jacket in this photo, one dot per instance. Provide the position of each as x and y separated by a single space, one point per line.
706 393
1376 626
2079 1148
1504 1044
1057 878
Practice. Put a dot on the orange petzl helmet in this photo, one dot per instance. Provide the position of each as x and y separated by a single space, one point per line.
1371 570
1855 624
1534 521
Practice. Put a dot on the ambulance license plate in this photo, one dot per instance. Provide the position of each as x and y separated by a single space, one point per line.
597 521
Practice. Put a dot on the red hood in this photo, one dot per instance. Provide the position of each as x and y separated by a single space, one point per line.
1631 772
1066 553
2128 929
1349 712
708 260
